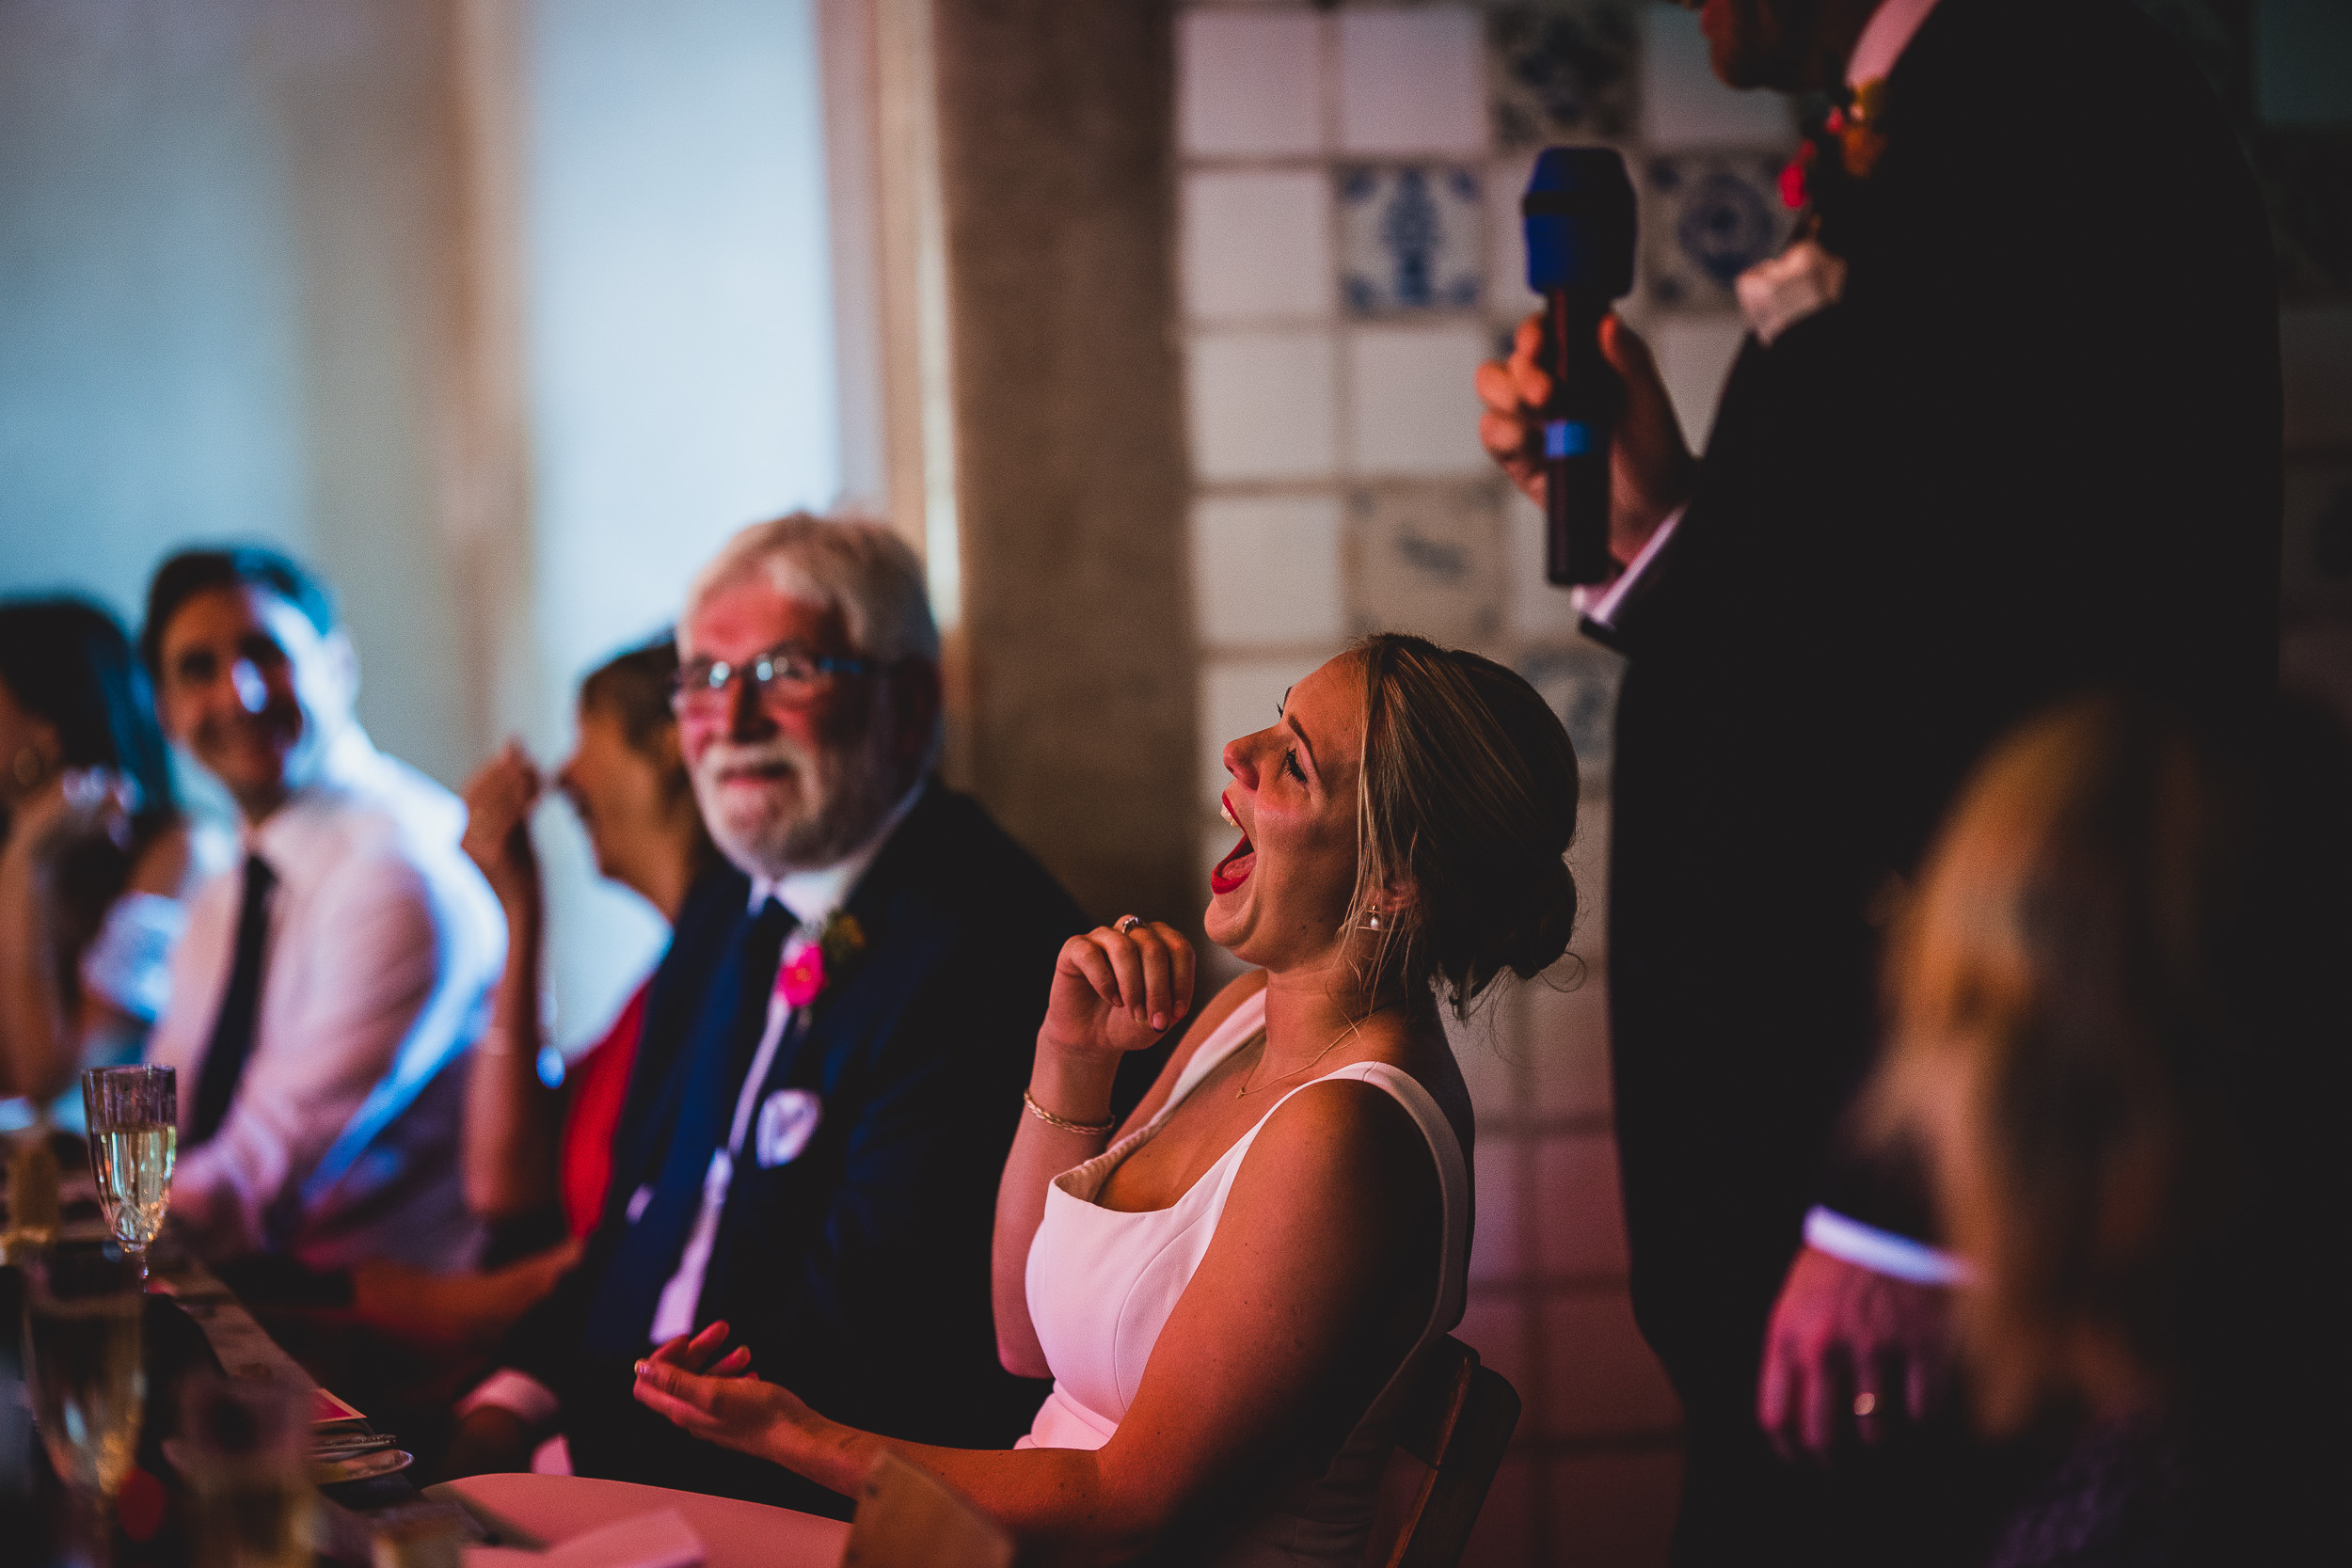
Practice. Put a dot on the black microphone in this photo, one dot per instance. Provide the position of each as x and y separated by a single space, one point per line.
1579 216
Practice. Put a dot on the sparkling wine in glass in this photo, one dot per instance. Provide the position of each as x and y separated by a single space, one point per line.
133 1136
88 1382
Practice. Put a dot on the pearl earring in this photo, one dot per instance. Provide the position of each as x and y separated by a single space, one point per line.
1371 921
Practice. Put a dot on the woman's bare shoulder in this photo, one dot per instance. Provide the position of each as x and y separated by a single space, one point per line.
1336 1151
1354 1129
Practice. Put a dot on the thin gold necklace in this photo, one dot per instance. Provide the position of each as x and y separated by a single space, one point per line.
1261 1040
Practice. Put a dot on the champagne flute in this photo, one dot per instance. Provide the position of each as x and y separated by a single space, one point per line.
134 1118
88 1377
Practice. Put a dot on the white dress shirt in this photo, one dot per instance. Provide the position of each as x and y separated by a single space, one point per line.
383 942
812 898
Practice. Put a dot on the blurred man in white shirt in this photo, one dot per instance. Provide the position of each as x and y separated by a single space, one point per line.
331 981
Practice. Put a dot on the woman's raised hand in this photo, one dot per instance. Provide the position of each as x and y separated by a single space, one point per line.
1119 987
87 804
498 802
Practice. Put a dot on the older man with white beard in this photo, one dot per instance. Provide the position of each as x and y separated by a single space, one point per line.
834 1049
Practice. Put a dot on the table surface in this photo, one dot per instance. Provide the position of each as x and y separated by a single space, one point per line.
518 1510
548 1511
353 1513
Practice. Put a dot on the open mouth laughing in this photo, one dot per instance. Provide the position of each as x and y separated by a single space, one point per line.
1239 862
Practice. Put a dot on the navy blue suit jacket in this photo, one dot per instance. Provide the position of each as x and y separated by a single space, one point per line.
857 1273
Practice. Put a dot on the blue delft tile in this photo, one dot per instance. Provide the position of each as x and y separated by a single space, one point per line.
1706 218
1561 73
1580 681
1425 559
1409 238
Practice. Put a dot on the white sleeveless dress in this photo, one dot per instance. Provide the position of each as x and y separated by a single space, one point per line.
1102 1284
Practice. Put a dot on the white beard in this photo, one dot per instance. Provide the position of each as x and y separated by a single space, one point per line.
831 804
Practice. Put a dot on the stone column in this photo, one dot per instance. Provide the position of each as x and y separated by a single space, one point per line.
1078 663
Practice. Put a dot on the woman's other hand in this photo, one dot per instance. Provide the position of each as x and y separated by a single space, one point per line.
703 1353
724 1403
498 802
1117 990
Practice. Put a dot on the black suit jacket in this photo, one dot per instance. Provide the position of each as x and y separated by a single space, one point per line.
857 1273
2035 447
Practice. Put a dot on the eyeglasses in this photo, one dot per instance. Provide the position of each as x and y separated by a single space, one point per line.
787 677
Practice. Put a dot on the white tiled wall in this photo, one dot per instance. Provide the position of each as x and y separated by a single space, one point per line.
1257 246
1249 83
1272 566
1410 409
1350 251
1264 406
1411 81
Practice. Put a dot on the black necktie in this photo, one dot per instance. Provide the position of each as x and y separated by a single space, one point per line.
718 1061
232 1027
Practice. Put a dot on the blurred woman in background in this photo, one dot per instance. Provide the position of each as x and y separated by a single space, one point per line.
538 1158
96 853
529 1145
2118 1017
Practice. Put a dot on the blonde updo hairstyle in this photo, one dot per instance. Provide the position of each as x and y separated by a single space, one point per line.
1468 795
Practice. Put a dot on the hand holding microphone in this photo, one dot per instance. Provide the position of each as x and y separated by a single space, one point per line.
1632 468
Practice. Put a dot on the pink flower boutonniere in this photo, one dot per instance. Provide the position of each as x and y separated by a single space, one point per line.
812 962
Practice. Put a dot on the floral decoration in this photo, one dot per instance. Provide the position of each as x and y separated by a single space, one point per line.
814 962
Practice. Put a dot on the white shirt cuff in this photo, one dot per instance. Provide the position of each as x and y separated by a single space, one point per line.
518 1393
1880 1251
1604 609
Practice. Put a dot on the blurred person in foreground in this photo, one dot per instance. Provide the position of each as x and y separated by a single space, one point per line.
95 854
830 1068
1998 432
330 984
2119 1009
539 1157
1233 1296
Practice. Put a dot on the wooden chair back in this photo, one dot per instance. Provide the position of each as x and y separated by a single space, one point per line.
1455 1422
909 1518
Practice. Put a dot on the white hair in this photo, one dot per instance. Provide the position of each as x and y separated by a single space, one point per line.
850 563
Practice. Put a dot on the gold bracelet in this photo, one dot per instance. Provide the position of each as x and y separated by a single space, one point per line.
1091 1130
